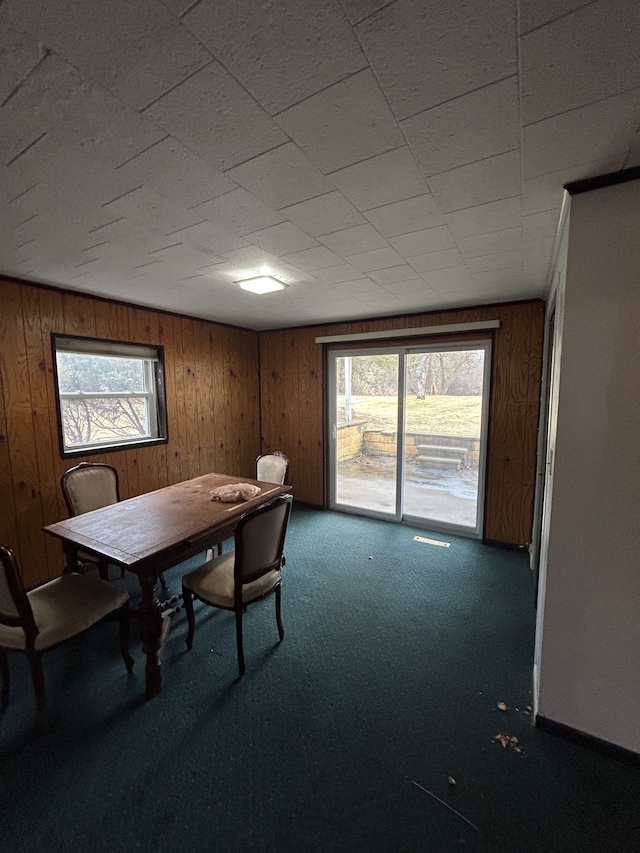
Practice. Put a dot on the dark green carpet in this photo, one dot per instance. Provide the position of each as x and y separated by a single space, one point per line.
390 673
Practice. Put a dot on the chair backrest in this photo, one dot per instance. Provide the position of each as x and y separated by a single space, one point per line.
88 486
259 540
272 467
15 609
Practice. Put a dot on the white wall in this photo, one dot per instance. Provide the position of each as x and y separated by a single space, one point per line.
588 644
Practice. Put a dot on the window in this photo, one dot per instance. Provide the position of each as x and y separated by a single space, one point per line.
110 394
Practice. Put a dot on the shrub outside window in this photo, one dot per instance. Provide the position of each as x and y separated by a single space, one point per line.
110 394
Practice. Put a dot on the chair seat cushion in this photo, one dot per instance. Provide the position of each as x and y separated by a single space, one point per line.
65 607
213 582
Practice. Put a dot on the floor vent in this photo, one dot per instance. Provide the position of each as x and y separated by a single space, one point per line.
431 541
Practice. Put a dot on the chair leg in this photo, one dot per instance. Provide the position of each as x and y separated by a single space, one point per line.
4 668
124 637
239 642
279 612
187 598
37 676
163 582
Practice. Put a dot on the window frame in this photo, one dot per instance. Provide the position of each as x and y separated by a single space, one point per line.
152 355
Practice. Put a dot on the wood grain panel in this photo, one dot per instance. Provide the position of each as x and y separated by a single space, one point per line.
210 371
292 418
14 363
37 351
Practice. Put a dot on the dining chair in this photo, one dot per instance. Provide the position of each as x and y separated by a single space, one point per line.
88 486
34 621
249 573
272 467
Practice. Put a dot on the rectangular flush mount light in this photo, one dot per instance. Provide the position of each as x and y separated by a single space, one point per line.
261 284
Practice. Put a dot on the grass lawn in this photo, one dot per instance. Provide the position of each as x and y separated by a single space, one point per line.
457 415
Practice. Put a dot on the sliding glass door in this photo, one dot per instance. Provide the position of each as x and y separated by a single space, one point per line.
408 433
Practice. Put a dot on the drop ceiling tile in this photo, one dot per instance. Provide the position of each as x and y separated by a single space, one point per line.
633 158
546 191
60 107
337 275
554 78
282 52
534 13
601 131
537 226
238 212
314 259
495 216
455 278
359 9
344 124
137 51
281 177
537 249
403 272
493 243
503 260
324 214
213 116
353 288
402 217
157 213
282 239
350 241
389 177
178 7
376 260
420 242
470 128
468 46
171 170
381 301
21 53
502 278
411 287
207 237
478 183
437 261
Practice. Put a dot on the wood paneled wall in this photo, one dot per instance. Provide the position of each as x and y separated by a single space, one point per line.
212 408
224 387
291 374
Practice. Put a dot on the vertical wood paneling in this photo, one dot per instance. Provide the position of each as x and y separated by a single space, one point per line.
210 370
8 528
41 411
16 385
205 413
292 416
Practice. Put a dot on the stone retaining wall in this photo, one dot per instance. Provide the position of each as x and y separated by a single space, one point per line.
355 438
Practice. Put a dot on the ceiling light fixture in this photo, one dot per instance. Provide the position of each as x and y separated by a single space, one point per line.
261 284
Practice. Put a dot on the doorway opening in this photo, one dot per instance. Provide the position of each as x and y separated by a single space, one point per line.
407 433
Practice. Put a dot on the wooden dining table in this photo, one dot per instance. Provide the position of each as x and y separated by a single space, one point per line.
153 532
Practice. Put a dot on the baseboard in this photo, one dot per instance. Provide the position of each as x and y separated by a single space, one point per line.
510 546
596 744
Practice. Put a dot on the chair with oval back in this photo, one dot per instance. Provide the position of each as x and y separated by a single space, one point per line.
32 622
272 467
88 486
250 573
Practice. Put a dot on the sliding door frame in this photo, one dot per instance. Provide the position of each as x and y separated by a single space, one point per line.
403 350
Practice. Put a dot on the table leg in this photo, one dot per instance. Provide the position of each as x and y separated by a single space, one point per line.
151 631
71 562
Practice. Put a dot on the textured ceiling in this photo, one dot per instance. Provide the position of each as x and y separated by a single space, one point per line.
381 157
